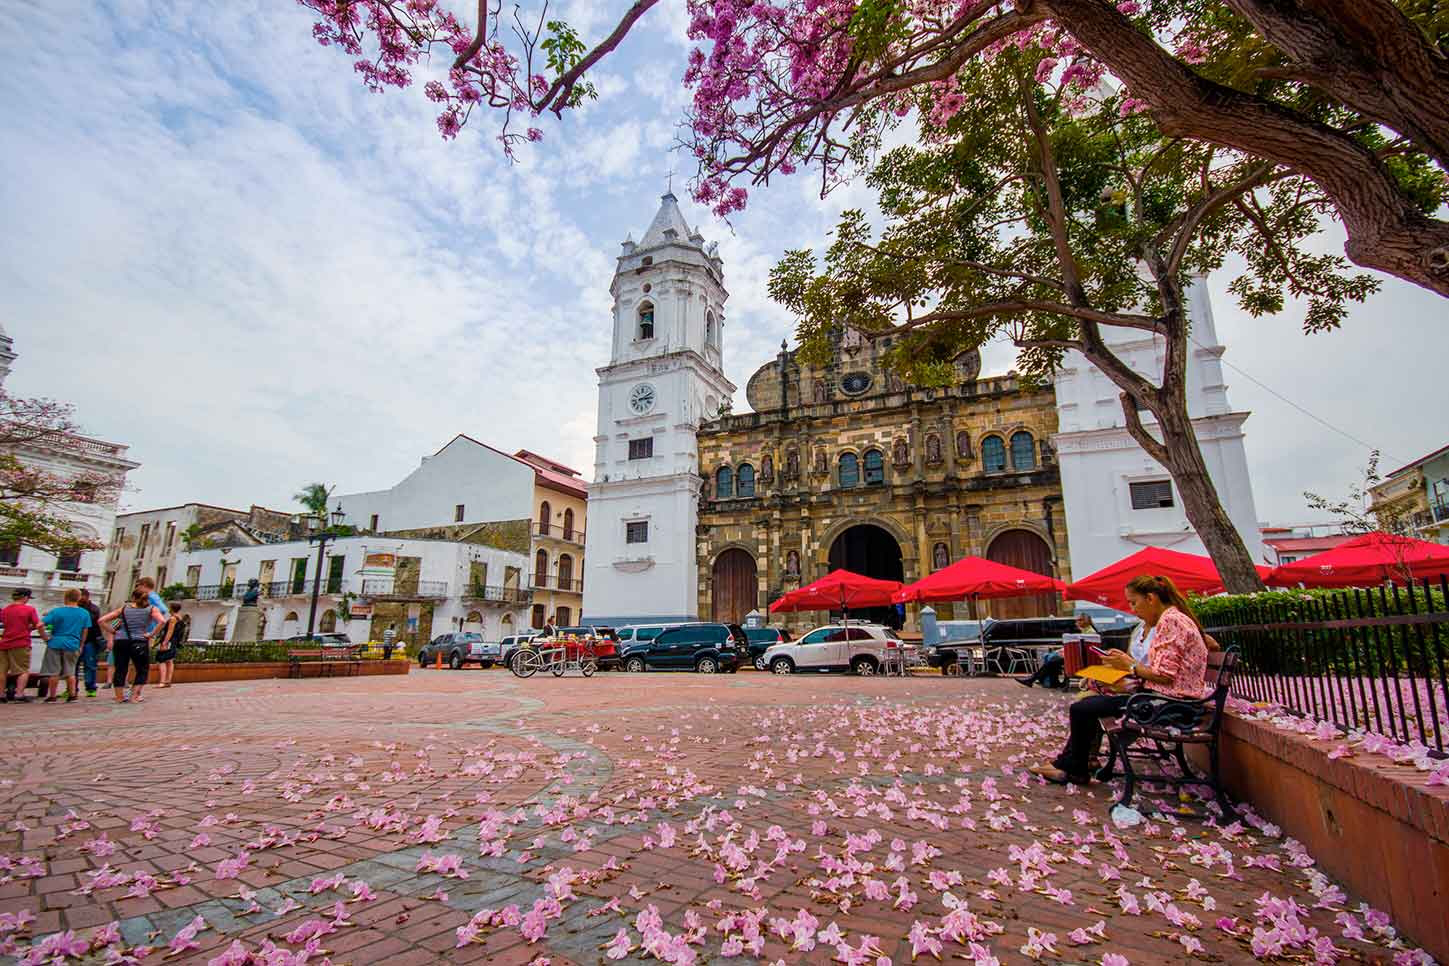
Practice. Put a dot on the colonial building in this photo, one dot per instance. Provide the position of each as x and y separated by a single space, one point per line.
1118 498
145 543
1415 497
665 376
847 466
91 516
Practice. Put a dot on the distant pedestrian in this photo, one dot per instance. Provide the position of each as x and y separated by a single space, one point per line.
169 637
93 646
389 641
19 620
155 599
68 625
130 643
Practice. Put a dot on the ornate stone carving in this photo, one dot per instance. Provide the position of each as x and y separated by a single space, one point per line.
792 563
792 464
822 468
963 446
767 469
940 557
901 452
933 449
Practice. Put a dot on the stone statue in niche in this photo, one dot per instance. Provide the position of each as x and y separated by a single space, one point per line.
901 452
933 449
1048 452
821 469
941 557
963 445
822 391
792 465
767 469
894 382
792 564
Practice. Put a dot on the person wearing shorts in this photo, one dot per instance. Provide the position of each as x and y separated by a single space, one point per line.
169 637
130 644
19 620
68 626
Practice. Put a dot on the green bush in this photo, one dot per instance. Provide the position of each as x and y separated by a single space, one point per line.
233 652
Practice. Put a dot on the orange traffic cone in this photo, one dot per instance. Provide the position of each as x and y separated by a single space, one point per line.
438 660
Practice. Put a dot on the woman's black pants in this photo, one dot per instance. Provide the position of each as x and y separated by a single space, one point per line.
1085 735
126 655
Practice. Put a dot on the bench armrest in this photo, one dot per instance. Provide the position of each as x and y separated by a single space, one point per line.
1161 711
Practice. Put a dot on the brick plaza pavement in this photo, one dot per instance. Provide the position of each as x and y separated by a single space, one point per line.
474 817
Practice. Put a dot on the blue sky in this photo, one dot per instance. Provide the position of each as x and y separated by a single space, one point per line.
230 255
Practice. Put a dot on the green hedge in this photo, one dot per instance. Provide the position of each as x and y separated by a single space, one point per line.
1317 604
233 652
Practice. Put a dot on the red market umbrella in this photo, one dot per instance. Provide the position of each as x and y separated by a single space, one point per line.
1191 572
838 590
977 577
1364 561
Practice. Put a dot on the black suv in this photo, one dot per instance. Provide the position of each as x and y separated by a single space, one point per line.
1029 631
761 639
706 648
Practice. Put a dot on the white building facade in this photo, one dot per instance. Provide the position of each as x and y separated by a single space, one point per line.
665 375
91 516
452 580
1117 498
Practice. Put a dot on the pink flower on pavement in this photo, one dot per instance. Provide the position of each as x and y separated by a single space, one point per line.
361 891
922 941
1114 959
619 946
186 938
235 955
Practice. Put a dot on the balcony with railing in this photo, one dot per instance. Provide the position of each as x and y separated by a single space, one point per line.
554 581
494 594
1439 511
555 532
233 590
405 589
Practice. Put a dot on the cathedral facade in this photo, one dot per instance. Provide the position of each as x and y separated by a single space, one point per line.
847 466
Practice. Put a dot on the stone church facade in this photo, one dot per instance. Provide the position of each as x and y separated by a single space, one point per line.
845 465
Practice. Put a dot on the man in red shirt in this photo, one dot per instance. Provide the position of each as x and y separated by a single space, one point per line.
18 621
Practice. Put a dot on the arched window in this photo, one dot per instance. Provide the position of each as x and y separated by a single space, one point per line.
724 483
290 624
1023 451
545 514
874 467
745 480
327 623
709 328
993 454
540 569
646 320
565 572
568 529
218 627
849 470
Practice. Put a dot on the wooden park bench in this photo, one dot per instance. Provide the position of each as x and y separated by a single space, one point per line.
1157 728
327 660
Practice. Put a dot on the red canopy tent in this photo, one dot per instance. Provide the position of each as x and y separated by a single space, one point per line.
1191 572
977 577
838 590
1364 561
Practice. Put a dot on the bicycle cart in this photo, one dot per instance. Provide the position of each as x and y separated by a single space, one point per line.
557 657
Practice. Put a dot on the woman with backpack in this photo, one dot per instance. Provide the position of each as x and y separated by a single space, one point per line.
169 637
130 643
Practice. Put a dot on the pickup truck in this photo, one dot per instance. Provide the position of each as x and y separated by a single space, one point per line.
459 649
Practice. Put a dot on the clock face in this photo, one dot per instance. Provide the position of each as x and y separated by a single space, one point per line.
641 398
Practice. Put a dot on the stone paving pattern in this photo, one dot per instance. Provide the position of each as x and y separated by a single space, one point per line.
796 819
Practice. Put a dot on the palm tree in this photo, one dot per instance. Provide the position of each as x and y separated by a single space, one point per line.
314 496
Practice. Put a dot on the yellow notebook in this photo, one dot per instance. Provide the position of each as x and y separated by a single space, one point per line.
1101 672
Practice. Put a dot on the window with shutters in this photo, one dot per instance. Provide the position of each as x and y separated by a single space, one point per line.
849 470
724 483
637 532
641 449
1151 495
745 480
874 467
993 454
1023 451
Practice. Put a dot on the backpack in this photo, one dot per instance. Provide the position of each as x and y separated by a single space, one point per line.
182 632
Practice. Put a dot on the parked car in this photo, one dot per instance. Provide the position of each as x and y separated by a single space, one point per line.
706 648
460 648
762 639
329 639
509 644
995 636
860 648
645 632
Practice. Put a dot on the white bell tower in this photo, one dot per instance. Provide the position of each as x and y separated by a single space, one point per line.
665 376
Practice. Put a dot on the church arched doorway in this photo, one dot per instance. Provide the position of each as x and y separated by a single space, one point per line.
871 551
734 586
1027 551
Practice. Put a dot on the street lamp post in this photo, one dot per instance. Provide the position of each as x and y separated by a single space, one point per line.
320 535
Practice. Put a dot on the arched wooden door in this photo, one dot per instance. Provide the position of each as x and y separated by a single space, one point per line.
1026 550
734 589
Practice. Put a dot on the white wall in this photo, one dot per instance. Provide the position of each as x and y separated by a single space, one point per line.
1099 460
492 486
655 581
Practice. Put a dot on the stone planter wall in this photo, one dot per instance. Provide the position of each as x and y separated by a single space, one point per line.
1371 824
256 670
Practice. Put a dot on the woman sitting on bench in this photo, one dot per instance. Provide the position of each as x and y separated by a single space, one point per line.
1175 667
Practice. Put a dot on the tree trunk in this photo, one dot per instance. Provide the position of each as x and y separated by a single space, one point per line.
1181 456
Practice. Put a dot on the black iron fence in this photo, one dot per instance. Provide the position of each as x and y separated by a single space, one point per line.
1373 660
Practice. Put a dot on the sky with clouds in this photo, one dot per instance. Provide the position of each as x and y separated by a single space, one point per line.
228 254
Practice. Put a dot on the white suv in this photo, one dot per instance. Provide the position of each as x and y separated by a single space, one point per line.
861 648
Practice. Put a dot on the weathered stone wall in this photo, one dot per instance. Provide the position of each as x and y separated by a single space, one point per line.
935 488
510 535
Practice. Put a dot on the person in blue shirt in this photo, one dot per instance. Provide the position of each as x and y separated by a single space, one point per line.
68 626
153 598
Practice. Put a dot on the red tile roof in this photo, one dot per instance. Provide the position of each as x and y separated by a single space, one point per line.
1309 544
548 473
1418 462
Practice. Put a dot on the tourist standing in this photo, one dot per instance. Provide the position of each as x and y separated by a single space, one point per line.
94 644
155 599
68 626
389 641
19 620
170 636
130 643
